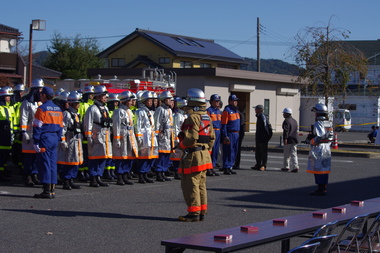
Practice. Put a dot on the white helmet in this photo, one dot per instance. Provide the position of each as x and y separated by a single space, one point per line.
126 95
63 96
145 96
19 87
154 94
113 97
287 110
181 102
196 95
74 97
320 108
100 90
165 94
6 91
37 83
88 89
139 94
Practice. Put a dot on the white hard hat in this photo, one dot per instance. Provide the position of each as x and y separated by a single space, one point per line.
287 110
319 108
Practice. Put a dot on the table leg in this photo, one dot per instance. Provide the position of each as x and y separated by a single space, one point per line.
285 245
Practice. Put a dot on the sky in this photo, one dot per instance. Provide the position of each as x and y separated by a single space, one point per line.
232 24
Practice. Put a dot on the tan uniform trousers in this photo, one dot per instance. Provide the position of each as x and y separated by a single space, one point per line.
195 192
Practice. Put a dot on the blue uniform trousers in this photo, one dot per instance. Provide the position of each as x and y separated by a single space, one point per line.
215 148
321 178
144 165
123 165
69 171
163 162
230 151
47 160
96 167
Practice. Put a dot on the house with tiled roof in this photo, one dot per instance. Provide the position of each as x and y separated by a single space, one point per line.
12 65
151 49
199 63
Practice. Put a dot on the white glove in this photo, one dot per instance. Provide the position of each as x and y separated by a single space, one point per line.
64 145
118 144
37 148
26 137
89 140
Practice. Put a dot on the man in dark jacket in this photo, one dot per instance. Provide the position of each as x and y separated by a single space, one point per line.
263 135
290 137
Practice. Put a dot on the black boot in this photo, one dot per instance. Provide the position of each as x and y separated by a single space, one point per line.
87 175
125 179
112 173
100 183
159 176
74 186
209 173
177 176
28 181
81 176
165 177
227 171
36 181
213 172
321 191
147 179
46 193
231 171
66 184
107 174
52 191
120 179
93 182
141 178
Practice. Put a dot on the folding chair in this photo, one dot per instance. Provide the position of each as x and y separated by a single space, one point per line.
352 228
309 248
371 240
326 229
325 242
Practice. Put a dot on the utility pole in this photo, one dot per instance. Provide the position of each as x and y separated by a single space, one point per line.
258 44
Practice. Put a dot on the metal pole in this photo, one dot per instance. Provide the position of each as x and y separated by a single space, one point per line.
258 45
30 57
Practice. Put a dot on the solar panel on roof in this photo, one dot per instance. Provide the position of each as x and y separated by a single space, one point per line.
203 47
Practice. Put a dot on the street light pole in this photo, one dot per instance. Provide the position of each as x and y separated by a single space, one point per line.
39 25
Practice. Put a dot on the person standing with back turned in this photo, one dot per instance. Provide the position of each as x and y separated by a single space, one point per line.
290 137
196 140
47 132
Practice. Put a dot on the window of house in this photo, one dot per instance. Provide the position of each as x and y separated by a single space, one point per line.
186 64
205 65
226 66
117 62
266 107
164 60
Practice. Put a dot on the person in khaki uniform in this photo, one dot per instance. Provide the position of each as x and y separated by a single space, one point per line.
197 139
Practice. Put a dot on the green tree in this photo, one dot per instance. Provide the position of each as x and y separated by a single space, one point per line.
326 62
73 56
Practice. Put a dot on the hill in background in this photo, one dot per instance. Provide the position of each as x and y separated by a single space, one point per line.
272 66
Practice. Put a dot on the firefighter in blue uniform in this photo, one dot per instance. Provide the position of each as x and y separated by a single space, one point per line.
230 134
216 117
47 132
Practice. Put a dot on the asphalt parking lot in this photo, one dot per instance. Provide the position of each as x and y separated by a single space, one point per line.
136 218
